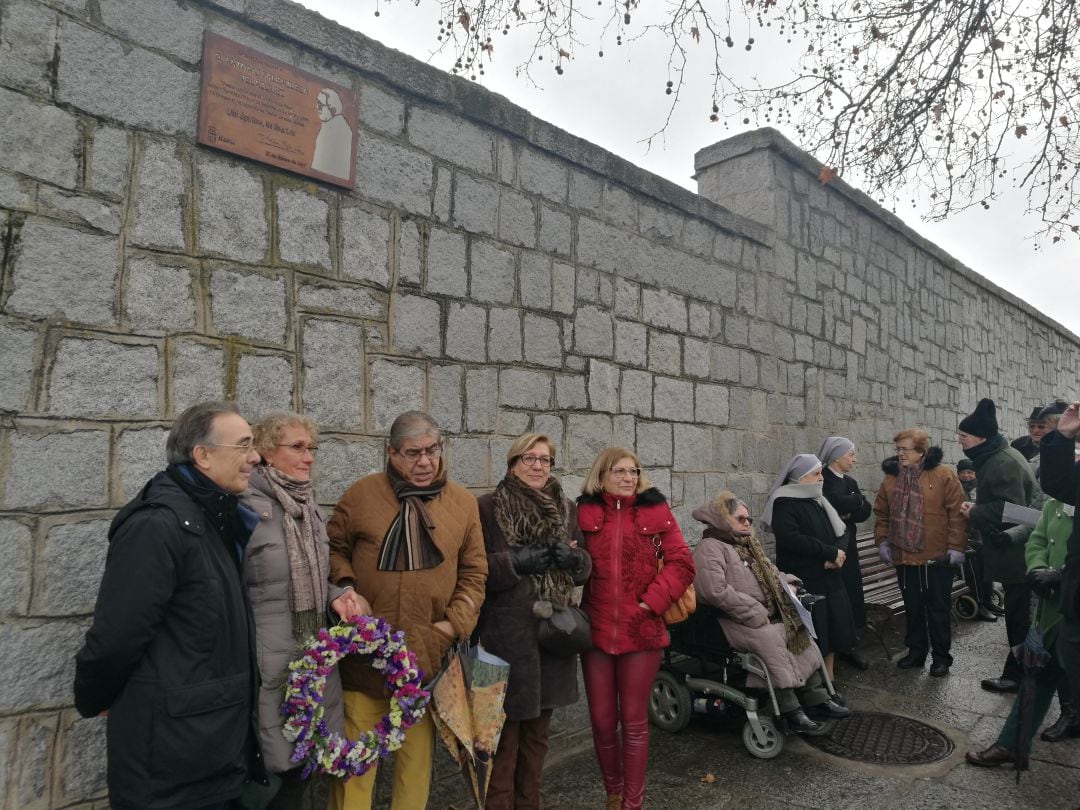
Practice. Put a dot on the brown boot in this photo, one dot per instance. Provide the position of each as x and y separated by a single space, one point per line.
614 801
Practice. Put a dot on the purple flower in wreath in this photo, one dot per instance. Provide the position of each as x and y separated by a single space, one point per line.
315 746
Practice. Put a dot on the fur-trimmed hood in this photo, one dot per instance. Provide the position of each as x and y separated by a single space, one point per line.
891 465
649 497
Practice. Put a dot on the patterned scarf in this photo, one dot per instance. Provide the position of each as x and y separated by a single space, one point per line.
536 518
906 510
766 574
309 567
409 543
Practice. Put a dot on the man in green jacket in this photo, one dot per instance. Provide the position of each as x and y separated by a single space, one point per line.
1045 553
1004 476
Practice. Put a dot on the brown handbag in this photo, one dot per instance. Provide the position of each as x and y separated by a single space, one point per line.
686 604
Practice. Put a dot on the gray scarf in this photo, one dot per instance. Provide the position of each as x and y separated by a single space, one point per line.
309 565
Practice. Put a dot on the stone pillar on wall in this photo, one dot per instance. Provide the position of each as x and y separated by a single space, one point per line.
738 174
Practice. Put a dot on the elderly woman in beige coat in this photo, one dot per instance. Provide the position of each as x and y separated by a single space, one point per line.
286 564
734 575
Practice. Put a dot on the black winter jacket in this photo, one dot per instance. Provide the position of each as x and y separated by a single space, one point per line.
169 654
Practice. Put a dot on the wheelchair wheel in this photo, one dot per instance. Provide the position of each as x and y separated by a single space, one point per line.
997 597
965 607
669 702
774 740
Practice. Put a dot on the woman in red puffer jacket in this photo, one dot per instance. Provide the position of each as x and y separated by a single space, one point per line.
624 519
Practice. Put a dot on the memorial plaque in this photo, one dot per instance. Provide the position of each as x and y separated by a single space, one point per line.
261 108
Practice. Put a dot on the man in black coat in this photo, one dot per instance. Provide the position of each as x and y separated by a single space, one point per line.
169 654
837 454
1029 445
1060 473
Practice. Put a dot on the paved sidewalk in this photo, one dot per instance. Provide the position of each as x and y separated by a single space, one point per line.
804 777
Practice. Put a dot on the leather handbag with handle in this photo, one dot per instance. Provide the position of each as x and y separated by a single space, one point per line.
686 604
566 632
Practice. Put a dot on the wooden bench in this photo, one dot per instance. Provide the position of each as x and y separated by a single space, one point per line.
881 591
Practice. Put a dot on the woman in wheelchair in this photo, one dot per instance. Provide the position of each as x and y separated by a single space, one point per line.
734 575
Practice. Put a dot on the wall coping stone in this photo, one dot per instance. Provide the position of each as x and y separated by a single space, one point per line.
771 139
294 23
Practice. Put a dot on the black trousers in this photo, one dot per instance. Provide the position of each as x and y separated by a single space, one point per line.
926 590
1069 645
1017 624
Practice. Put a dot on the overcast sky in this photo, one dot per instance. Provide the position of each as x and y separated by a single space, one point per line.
618 101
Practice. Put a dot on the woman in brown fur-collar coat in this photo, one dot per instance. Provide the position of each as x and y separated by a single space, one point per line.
534 562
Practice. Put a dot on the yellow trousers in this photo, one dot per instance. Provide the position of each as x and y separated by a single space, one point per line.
412 762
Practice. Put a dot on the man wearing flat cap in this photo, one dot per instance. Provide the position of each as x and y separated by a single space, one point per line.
1004 477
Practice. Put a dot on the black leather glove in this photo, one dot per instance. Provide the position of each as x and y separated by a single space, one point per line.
564 556
527 560
1044 581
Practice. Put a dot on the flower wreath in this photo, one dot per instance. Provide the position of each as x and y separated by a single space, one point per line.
323 751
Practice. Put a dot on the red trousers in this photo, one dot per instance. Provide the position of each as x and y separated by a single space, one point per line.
519 762
618 688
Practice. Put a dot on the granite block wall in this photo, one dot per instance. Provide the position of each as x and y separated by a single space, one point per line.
489 267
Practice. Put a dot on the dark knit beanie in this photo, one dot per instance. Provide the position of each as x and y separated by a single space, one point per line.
981 422
965 464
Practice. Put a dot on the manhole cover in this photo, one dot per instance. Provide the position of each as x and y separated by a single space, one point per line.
883 739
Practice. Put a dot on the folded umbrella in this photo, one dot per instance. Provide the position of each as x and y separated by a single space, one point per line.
1032 656
467 700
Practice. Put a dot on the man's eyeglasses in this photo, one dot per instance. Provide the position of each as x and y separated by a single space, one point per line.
300 447
532 459
413 454
625 472
247 445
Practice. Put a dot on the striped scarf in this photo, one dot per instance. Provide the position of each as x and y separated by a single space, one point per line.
409 543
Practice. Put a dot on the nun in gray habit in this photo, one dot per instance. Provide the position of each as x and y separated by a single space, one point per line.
810 541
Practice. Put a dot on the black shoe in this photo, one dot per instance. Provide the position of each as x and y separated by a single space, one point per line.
984 615
1067 726
997 611
799 723
838 697
911 661
992 757
939 668
830 710
1000 685
855 658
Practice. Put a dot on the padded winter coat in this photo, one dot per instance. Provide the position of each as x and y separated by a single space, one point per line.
619 534
725 582
266 573
169 654
944 528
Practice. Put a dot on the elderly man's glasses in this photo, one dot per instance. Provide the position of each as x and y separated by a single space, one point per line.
300 447
532 459
414 454
625 472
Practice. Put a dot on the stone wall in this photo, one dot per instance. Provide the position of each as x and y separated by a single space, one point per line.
489 267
